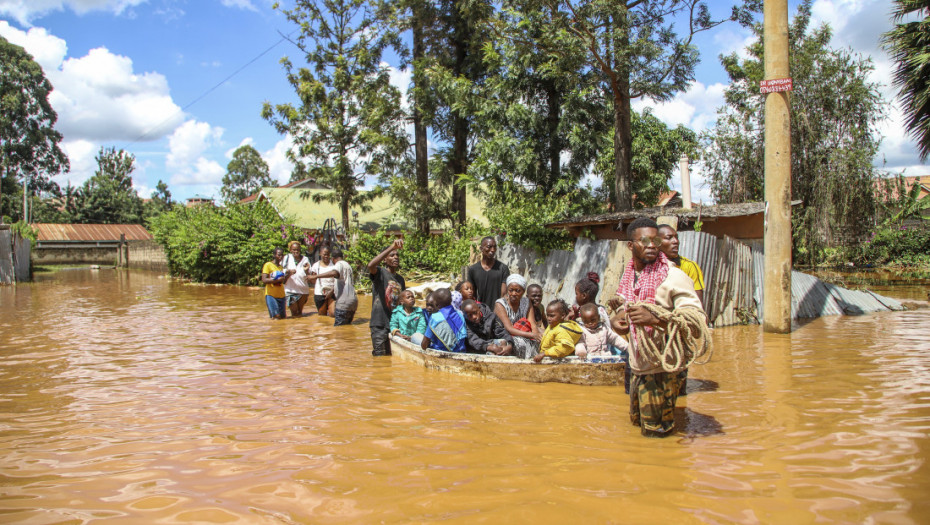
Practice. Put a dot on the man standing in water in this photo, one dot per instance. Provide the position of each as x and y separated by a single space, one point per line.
384 297
488 276
650 279
669 247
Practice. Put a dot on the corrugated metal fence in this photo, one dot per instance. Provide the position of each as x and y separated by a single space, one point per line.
14 256
733 273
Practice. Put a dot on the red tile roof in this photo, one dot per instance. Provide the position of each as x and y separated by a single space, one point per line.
92 232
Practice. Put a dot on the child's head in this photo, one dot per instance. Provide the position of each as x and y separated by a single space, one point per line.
431 303
556 312
590 317
471 310
466 289
407 299
534 294
586 289
442 297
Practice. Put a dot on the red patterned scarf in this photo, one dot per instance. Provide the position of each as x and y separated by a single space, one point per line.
649 280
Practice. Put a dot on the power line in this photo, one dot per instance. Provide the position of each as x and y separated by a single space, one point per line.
211 90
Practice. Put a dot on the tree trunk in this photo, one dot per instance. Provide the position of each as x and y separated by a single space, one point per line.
344 206
421 153
554 100
623 152
458 164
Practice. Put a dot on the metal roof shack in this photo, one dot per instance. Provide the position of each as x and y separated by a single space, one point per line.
89 234
742 221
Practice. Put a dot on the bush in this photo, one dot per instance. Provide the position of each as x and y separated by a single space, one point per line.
221 245
443 254
907 246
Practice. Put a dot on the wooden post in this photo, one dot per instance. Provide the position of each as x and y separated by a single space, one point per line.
122 243
777 287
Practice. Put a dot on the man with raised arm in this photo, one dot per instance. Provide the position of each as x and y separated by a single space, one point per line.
488 276
386 285
654 297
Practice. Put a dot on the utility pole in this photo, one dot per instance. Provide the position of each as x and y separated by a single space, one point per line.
777 85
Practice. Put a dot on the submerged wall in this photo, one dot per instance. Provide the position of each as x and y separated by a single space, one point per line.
147 255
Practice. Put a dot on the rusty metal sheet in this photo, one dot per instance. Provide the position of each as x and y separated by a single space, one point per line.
92 232
731 301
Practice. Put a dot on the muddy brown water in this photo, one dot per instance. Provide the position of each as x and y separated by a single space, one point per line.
131 398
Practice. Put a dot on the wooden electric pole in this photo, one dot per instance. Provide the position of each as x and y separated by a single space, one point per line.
777 86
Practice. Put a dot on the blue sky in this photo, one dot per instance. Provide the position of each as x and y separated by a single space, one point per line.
128 74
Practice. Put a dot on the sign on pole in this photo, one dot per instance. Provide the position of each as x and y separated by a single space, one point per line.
775 85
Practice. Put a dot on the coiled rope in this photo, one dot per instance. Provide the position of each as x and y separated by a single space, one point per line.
687 340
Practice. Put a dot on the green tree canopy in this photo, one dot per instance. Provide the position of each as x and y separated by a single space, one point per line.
108 196
28 139
349 123
909 45
834 114
246 174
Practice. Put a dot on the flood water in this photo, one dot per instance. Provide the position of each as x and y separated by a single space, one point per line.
128 397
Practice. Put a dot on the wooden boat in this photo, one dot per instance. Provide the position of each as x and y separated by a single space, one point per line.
596 371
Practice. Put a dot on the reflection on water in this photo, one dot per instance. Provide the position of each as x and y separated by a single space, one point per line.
125 395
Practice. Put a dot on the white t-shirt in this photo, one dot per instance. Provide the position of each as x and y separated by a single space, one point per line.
327 282
298 282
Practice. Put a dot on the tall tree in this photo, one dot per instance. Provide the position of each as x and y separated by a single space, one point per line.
108 197
246 174
349 124
834 114
908 43
28 139
160 201
635 50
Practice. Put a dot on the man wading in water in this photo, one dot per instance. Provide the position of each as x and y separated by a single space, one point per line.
650 290
383 297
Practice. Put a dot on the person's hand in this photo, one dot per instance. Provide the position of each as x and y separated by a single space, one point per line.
404 337
582 354
619 323
535 336
616 303
397 244
292 271
506 349
538 358
494 348
639 315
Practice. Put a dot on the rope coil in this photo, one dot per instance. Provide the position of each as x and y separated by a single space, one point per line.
687 340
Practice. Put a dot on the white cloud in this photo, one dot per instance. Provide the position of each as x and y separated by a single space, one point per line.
240 4
26 10
278 164
98 97
695 108
248 141
186 160
81 154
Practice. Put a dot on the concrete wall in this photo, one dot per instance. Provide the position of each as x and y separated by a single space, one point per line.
75 255
147 255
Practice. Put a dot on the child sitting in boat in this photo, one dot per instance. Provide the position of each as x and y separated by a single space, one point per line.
486 333
534 293
408 322
467 290
562 335
596 336
585 293
446 328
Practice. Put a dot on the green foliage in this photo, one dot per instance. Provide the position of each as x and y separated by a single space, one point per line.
834 137
28 140
443 254
160 201
896 245
349 123
246 174
656 151
25 231
522 215
108 197
221 245
907 43
898 203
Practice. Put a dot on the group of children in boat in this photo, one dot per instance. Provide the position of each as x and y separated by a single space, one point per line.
495 312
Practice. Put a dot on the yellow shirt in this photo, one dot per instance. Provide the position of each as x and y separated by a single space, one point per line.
274 290
560 340
693 271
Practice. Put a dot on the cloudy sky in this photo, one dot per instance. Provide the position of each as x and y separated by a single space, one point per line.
180 83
